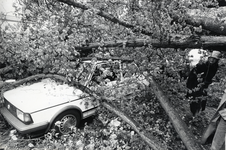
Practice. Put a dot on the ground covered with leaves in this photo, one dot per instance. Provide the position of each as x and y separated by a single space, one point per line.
106 131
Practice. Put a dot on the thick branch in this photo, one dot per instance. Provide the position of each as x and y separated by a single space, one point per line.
175 41
149 139
212 19
106 16
179 125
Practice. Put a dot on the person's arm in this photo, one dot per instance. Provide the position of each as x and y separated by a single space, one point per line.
208 79
192 80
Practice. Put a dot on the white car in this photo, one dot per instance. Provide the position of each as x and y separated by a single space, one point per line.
48 104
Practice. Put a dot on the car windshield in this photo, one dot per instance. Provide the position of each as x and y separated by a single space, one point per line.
95 72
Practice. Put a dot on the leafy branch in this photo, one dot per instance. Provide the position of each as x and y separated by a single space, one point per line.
107 16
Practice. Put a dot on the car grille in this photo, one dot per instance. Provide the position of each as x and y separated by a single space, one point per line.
10 107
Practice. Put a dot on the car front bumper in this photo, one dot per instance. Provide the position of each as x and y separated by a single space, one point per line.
20 126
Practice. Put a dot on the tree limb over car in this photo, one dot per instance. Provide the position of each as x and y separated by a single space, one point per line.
181 128
147 137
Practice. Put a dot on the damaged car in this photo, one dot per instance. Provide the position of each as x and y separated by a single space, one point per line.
50 104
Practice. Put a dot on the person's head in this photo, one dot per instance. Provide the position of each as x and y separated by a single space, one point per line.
214 57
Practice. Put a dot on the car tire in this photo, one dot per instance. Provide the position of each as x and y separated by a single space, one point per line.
66 122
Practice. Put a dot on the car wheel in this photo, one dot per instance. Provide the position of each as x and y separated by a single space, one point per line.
66 121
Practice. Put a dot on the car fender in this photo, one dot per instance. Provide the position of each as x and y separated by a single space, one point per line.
71 107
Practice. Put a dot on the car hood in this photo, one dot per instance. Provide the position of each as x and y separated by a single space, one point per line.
40 95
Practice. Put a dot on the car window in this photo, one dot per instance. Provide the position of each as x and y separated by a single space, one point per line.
85 68
106 72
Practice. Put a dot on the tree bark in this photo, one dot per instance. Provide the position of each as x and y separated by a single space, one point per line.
174 41
181 128
212 19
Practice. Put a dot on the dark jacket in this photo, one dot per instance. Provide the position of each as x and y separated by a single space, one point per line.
201 76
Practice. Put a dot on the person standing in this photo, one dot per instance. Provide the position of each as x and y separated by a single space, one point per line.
217 127
200 77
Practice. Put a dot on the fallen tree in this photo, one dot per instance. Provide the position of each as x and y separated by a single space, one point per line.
173 41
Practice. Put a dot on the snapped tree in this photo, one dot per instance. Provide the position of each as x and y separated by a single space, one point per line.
55 33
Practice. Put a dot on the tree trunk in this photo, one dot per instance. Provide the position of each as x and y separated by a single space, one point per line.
185 134
212 19
174 41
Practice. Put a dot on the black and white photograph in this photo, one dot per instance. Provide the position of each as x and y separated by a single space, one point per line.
112 74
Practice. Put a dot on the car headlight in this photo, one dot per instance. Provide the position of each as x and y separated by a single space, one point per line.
25 117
